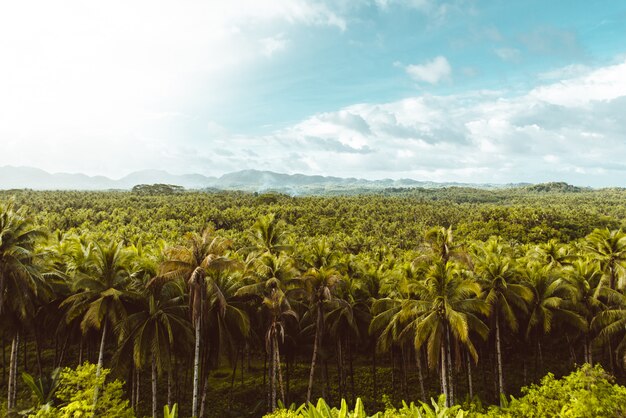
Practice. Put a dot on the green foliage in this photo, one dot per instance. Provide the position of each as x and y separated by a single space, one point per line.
166 189
437 409
43 389
75 396
586 392
170 413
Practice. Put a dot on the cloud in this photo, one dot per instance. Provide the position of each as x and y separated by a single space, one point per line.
508 54
431 72
273 44
542 134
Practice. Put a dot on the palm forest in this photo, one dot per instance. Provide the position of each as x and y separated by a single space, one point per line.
403 302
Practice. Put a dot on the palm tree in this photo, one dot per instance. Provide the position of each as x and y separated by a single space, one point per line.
496 274
279 309
609 248
446 307
319 284
102 292
585 276
348 318
20 280
151 329
611 323
550 296
193 262
439 244
269 234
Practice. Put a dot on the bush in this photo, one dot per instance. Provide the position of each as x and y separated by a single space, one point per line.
75 394
586 392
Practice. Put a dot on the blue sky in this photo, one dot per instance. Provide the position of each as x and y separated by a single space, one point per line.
444 90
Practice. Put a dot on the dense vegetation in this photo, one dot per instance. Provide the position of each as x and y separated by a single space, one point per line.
233 303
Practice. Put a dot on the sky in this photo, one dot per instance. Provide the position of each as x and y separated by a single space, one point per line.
493 91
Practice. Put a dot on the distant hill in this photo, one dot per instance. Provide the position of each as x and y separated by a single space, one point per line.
559 187
34 178
246 180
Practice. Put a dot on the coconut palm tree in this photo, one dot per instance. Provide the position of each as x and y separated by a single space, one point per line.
279 311
550 296
496 274
609 248
610 323
319 284
20 280
270 235
445 308
201 255
160 314
590 298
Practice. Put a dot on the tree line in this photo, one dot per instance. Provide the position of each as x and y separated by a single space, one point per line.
172 313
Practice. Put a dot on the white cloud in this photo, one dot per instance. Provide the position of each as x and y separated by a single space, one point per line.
604 84
475 137
432 71
508 54
273 44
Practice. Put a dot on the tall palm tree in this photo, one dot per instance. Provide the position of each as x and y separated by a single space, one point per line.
611 323
278 308
20 280
348 318
590 298
319 284
150 331
446 308
102 292
271 283
609 248
201 255
550 296
496 274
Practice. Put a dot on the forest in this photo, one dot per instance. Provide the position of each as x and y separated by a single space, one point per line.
403 302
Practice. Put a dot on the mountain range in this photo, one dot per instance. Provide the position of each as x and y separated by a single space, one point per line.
246 180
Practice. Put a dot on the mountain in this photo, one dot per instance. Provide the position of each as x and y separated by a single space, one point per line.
246 180
34 178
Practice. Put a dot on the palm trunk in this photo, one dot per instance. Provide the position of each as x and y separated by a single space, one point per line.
12 390
316 344
340 368
205 391
351 364
169 387
137 391
499 360
80 351
418 363
63 350
196 372
37 351
469 375
154 387
99 366
374 377
232 381
279 371
4 361
450 371
133 382
272 376
444 374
